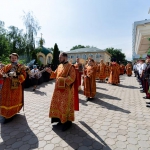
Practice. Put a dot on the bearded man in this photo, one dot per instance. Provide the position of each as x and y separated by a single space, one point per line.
65 100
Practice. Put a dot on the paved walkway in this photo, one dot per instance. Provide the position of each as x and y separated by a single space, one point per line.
116 120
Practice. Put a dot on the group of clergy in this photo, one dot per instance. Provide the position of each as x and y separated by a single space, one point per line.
68 77
93 71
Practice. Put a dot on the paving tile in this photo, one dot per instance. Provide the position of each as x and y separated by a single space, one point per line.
112 135
110 141
49 147
17 144
132 147
132 134
83 148
114 120
24 147
33 141
132 140
58 148
97 145
56 140
144 144
121 138
143 137
27 137
10 141
120 144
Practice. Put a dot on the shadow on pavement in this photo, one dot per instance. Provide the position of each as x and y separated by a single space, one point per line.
96 135
108 105
43 85
77 136
18 135
104 105
105 96
40 92
102 88
129 87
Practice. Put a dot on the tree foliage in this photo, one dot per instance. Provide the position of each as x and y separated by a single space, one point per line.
117 54
56 52
32 27
16 40
80 46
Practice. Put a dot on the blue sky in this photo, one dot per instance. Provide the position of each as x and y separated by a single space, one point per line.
99 23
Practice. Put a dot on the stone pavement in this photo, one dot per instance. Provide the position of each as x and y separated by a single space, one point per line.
116 120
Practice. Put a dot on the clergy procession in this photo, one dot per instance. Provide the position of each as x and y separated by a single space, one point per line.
69 79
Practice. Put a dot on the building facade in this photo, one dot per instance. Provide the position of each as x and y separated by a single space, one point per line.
45 56
85 53
140 35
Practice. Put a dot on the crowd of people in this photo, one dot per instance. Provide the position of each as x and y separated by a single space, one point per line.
142 72
104 72
68 77
35 76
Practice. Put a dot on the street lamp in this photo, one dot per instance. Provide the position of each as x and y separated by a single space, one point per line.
149 11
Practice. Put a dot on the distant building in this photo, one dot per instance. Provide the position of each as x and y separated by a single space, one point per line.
45 56
85 53
140 35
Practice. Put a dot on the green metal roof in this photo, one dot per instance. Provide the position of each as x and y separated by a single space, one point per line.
87 50
45 50
81 50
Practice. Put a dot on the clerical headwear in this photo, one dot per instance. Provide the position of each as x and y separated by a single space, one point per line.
113 60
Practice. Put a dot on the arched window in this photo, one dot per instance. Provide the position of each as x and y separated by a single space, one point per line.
49 59
41 59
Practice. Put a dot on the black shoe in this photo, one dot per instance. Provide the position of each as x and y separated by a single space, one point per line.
147 102
148 105
33 89
141 87
145 97
7 120
55 120
66 125
87 99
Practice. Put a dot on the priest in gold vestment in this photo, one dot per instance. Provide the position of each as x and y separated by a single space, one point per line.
129 69
79 71
102 75
89 80
114 73
63 103
11 97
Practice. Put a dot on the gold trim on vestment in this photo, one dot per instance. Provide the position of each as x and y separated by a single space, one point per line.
11 106
61 83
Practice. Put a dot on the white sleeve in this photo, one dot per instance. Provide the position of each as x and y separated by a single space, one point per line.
144 66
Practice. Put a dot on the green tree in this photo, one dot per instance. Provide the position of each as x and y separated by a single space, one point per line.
17 41
80 46
4 44
56 53
117 54
77 47
32 27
